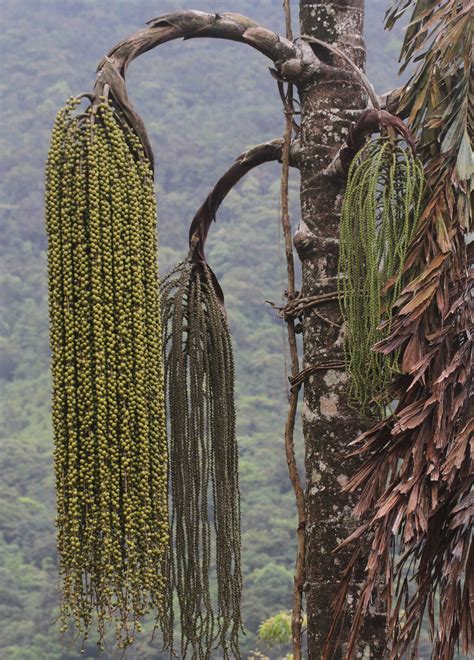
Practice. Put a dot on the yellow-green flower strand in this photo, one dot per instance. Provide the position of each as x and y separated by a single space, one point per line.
108 391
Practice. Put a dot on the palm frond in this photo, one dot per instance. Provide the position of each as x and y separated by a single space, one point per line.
423 455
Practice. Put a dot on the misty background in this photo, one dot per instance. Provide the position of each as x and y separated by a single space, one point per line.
203 102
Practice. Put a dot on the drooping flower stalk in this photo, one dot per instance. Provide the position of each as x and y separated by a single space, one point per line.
108 395
205 509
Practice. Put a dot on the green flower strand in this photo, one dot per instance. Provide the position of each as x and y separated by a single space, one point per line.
380 212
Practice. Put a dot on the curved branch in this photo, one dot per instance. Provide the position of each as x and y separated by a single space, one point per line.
193 24
261 153
206 214
291 59
370 121
390 101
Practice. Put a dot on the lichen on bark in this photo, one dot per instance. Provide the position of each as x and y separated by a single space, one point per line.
328 105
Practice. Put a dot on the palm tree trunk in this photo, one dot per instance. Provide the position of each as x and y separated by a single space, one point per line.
331 97
329 105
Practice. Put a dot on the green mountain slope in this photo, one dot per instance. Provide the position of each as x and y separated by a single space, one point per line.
203 103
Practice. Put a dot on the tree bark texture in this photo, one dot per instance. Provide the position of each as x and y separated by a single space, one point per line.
329 103
332 96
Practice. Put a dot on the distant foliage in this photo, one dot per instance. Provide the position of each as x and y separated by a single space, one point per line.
275 632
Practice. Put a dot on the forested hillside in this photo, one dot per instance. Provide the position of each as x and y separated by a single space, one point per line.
203 102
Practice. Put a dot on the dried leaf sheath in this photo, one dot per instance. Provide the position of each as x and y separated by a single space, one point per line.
418 476
205 510
108 398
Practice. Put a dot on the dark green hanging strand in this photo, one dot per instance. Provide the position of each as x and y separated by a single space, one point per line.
205 509
379 217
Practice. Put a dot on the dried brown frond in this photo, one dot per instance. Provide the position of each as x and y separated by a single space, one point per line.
423 455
